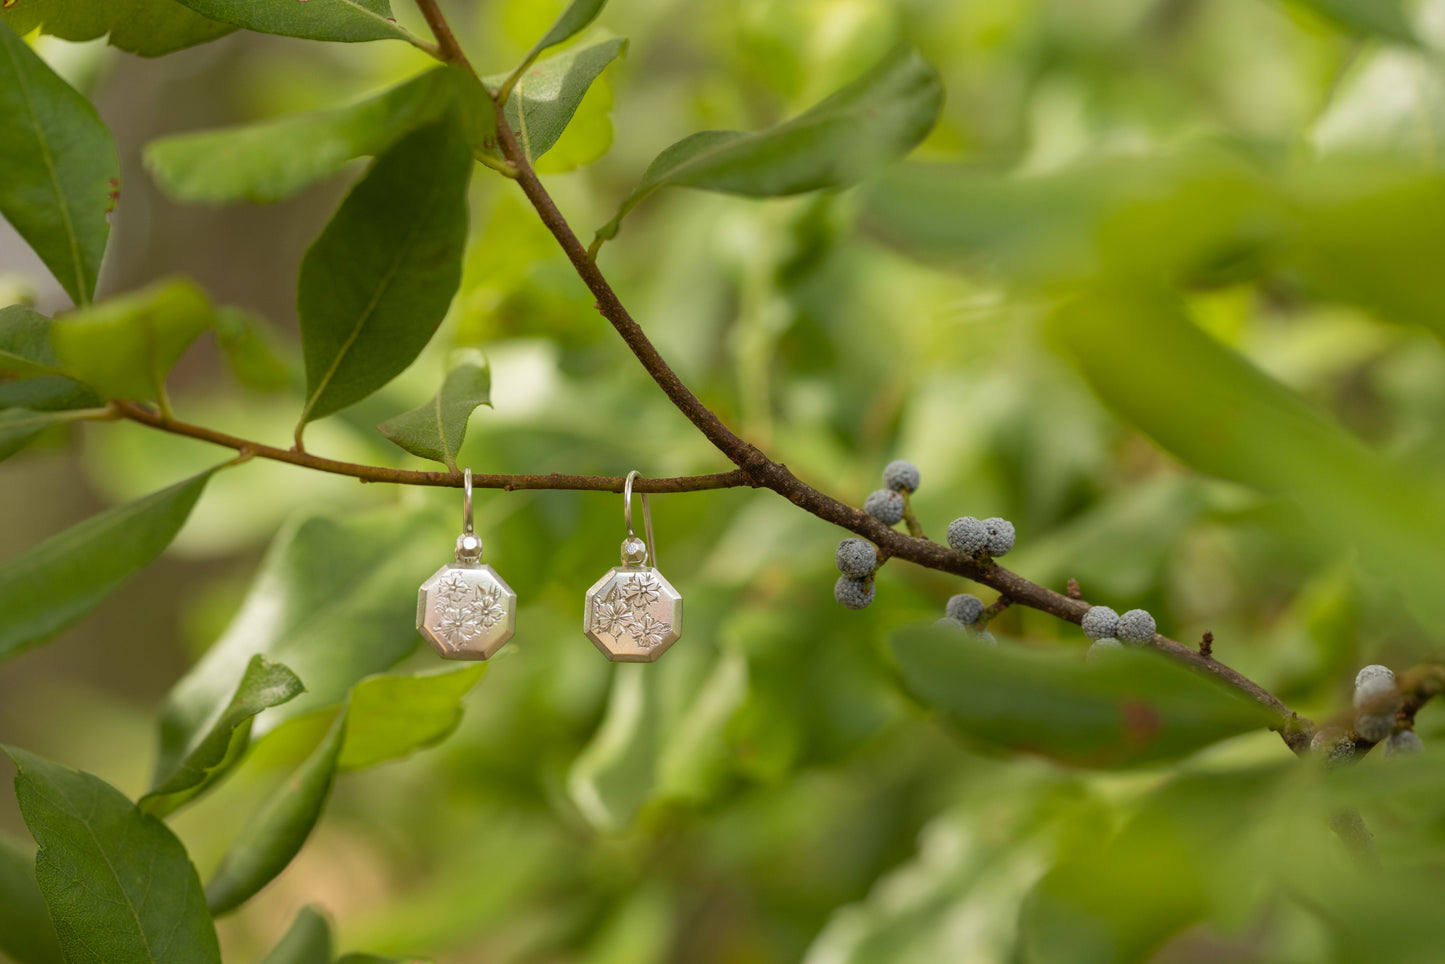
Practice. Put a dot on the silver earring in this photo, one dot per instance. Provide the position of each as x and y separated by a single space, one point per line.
465 610
633 614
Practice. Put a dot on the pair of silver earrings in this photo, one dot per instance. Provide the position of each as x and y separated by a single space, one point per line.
632 614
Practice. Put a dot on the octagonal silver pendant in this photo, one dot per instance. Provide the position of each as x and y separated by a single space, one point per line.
633 614
466 612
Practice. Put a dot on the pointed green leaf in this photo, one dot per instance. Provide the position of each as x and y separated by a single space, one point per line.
47 393
26 933
18 426
62 173
326 604
44 590
307 942
25 343
1222 416
190 759
251 351
275 833
437 429
879 117
125 346
574 20
348 21
377 283
274 159
1134 710
477 113
392 716
118 883
149 28
546 95
1385 19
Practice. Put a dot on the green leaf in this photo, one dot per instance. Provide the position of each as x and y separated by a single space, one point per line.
392 716
477 114
378 959
25 343
546 95
574 20
1385 19
347 21
47 588
377 283
190 759
275 833
18 426
878 117
331 602
437 429
1220 415
307 942
118 883
124 346
149 28
62 173
274 159
26 934
1134 710
250 349
47 393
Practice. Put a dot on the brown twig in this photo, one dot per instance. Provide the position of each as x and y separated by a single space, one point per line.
376 473
1206 646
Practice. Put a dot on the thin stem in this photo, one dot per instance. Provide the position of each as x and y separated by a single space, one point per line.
375 473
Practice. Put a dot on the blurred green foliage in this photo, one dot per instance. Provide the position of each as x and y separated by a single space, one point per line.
1161 287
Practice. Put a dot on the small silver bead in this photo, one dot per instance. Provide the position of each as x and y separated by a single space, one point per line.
634 551
469 547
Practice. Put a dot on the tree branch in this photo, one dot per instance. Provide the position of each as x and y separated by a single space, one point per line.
377 473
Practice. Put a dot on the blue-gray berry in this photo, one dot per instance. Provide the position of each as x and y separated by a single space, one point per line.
1334 744
965 607
1100 622
901 476
1406 741
1375 689
1000 536
1372 673
885 505
854 593
856 557
1102 647
967 535
1374 726
1136 626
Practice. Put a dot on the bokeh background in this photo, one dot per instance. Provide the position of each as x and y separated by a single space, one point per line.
767 792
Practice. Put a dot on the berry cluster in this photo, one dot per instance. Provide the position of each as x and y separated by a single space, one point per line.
857 559
1377 701
1111 631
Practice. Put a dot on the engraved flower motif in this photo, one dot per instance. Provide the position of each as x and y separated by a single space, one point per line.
458 624
611 618
641 593
488 607
454 588
650 632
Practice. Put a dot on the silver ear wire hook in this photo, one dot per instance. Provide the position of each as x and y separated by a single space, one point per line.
650 548
467 501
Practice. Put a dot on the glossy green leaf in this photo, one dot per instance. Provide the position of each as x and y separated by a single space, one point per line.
1222 416
547 94
393 716
118 883
1386 19
475 110
47 393
878 117
192 758
344 20
149 28
45 589
377 283
307 942
62 173
437 429
1134 710
331 602
274 159
26 934
276 832
125 346
18 426
25 343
